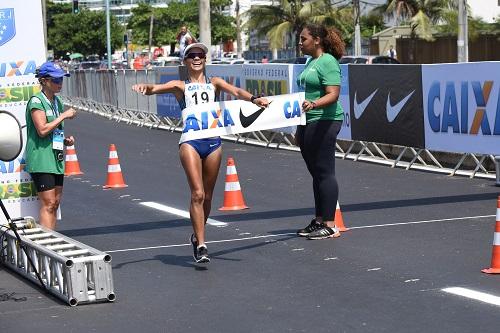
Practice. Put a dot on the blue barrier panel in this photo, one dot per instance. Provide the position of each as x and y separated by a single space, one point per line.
166 104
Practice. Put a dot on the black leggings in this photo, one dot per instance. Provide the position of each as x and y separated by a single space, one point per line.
317 145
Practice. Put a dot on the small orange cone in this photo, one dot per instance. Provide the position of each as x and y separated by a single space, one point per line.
339 221
115 178
71 165
233 198
495 257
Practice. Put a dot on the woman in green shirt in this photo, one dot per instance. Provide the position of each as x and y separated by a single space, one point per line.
321 82
45 117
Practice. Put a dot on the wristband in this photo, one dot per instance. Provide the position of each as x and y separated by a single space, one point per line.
253 98
313 105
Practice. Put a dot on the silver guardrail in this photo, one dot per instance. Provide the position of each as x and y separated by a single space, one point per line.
470 165
109 94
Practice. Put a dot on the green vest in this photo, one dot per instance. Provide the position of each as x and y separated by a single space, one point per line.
40 157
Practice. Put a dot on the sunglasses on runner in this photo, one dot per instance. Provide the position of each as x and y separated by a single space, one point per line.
193 55
57 80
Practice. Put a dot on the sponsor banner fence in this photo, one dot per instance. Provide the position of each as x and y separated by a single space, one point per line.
22 50
231 74
462 107
386 104
167 105
268 80
233 117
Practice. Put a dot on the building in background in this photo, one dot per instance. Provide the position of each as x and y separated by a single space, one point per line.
121 9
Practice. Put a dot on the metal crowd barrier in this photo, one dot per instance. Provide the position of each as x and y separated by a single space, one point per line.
109 94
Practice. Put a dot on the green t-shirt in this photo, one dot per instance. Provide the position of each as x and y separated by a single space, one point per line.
40 157
319 73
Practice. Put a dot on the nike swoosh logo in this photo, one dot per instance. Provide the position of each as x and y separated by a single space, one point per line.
359 108
247 121
393 111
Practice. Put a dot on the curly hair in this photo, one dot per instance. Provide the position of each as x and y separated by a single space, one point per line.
329 38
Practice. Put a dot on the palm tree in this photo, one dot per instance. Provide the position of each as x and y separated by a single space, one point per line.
287 17
421 15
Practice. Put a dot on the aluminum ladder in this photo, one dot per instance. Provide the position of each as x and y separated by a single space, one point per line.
70 270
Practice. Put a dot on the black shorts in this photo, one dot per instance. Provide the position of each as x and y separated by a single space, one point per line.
47 181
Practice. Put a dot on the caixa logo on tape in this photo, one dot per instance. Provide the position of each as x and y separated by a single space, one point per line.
213 116
7 25
444 114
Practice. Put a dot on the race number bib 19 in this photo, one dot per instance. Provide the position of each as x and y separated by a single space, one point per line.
199 93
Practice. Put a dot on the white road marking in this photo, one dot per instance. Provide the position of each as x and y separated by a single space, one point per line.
186 214
332 258
412 280
189 244
178 212
373 269
472 294
420 222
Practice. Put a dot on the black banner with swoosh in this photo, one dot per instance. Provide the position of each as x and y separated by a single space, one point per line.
386 104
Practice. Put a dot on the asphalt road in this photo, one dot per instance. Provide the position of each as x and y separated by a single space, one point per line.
412 235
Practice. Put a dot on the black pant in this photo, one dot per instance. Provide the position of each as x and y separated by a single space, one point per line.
317 145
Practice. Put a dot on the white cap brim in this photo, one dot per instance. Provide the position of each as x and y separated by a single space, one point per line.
195 45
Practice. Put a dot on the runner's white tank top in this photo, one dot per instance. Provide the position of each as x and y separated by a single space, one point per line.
198 93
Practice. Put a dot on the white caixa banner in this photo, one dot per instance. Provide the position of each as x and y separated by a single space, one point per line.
233 117
22 50
462 107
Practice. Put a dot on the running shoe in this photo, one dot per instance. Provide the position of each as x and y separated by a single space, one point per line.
314 225
194 243
202 255
324 232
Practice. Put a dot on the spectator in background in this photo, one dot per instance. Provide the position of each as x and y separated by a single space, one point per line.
184 38
158 52
392 52
45 117
264 60
324 115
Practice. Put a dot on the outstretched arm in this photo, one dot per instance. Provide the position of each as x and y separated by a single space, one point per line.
175 87
220 84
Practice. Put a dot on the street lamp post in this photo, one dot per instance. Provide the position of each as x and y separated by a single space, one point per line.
462 40
205 28
108 34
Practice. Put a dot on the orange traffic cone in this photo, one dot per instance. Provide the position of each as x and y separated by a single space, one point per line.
71 165
495 257
115 178
233 198
339 221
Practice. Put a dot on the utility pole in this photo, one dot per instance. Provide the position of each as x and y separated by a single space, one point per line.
44 14
238 30
108 34
151 22
357 30
205 28
462 40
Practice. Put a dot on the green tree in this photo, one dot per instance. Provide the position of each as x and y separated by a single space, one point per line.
84 32
371 24
287 17
421 15
475 25
168 21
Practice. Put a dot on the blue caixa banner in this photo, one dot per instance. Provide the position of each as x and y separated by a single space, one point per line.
167 105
